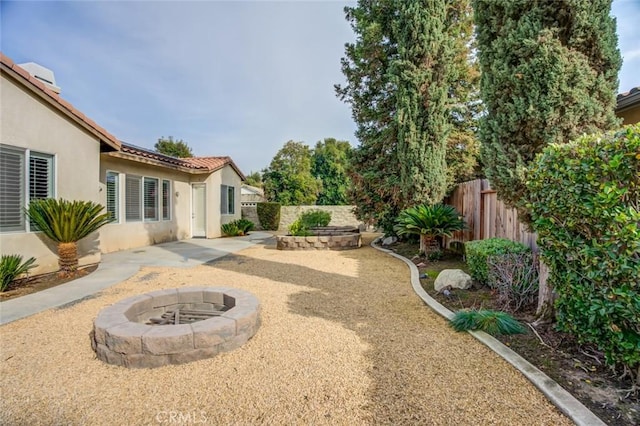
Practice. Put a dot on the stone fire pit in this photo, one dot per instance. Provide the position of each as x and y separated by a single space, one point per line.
174 326
323 238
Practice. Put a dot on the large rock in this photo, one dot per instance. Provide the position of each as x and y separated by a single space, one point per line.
454 278
389 240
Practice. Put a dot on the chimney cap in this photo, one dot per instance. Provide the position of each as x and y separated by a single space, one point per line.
45 75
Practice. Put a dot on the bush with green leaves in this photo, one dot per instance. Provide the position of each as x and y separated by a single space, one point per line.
11 267
231 229
315 218
492 322
585 204
477 253
245 225
299 229
269 215
515 278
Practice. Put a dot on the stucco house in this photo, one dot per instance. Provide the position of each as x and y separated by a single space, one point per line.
50 149
628 106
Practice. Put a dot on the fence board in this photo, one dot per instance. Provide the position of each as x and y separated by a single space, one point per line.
486 216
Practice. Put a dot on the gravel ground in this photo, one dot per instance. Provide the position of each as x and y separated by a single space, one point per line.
343 340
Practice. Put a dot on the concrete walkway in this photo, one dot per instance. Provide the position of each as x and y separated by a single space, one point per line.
119 266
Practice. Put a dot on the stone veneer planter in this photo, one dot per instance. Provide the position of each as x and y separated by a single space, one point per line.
121 337
327 238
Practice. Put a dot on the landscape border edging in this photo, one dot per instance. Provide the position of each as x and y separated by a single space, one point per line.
555 393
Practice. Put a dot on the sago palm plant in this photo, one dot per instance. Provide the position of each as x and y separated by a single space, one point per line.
66 223
429 222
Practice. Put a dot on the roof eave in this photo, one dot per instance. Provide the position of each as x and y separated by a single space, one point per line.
144 160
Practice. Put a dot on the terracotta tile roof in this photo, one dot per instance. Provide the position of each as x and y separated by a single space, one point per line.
205 164
28 80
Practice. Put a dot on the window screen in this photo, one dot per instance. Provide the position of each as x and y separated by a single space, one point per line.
150 199
166 200
113 195
12 189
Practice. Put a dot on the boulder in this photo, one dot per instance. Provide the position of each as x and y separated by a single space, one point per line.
452 278
389 240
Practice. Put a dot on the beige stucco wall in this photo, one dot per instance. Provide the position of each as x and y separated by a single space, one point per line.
124 235
225 176
630 116
28 122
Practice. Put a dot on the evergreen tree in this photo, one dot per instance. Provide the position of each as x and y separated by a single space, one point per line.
373 97
549 74
374 169
254 179
329 162
288 179
175 148
422 75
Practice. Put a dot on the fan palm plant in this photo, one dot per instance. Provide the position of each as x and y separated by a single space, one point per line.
429 222
66 223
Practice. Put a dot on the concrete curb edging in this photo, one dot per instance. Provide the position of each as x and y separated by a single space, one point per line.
558 396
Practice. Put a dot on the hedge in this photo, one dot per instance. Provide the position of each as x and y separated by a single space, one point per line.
477 253
269 215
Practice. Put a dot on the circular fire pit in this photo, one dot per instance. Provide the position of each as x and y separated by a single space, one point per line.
174 326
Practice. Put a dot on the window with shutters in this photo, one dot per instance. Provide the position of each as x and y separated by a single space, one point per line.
133 198
24 175
166 199
227 199
113 195
150 199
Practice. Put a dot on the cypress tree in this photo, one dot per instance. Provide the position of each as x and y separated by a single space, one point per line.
422 74
549 73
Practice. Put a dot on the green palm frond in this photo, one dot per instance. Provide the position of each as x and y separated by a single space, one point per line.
11 267
438 220
67 221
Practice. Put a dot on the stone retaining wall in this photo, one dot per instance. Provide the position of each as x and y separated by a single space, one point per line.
322 242
340 215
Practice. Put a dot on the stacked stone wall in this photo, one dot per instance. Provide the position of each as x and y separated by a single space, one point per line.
340 215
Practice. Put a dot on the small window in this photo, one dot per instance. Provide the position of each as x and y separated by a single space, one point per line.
133 198
113 195
12 189
166 200
150 199
227 199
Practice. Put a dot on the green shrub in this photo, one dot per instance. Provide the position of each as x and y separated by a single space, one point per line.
492 322
231 229
11 267
245 225
585 202
269 215
515 278
477 253
299 229
315 218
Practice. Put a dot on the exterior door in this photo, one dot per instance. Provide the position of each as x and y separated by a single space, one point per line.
198 211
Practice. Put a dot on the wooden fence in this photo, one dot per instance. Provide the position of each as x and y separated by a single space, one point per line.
486 216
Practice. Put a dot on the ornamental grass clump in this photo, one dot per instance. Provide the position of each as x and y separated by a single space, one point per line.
491 322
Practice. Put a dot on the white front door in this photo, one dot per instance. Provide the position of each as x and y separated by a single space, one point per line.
198 211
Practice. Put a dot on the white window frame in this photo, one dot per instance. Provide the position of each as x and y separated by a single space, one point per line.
153 203
127 197
225 190
116 198
25 184
166 206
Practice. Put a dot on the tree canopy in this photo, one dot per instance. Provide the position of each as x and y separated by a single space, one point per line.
329 162
175 148
254 179
288 179
549 74
412 88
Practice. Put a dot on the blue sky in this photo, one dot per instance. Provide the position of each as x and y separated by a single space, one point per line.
229 78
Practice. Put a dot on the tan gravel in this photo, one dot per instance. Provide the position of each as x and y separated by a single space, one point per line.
343 340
